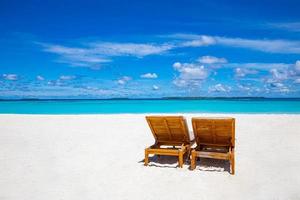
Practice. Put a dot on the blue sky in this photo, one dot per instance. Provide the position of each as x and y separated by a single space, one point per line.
140 49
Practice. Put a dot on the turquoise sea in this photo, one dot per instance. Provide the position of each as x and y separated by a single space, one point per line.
150 106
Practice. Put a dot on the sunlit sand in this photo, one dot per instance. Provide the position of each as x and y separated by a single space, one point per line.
53 157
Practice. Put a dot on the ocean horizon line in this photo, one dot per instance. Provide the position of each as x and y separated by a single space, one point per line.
159 98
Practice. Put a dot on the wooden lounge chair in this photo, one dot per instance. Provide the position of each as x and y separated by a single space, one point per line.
214 138
171 132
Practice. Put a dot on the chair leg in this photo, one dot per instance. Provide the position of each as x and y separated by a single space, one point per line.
146 157
180 159
193 160
188 153
232 164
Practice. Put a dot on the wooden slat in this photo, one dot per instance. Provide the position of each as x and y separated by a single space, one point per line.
205 154
214 130
166 153
169 128
169 143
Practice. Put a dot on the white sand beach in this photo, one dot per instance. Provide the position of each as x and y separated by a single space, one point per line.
92 157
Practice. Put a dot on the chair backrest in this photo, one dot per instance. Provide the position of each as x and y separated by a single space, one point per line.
169 130
214 131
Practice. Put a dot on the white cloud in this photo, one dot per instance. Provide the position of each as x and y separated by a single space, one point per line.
79 57
123 80
59 49
279 87
219 88
177 65
297 80
10 77
56 91
284 90
258 66
272 46
129 49
265 45
284 72
94 54
190 74
181 83
191 71
289 26
192 40
202 40
64 77
211 60
155 87
279 75
242 72
40 78
149 75
244 87
184 36
297 66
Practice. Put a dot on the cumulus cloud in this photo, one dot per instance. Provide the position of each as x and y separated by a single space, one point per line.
63 80
190 74
242 72
280 80
297 66
249 89
155 87
244 87
123 80
191 71
211 60
279 75
64 77
219 88
297 80
279 87
40 78
10 77
149 75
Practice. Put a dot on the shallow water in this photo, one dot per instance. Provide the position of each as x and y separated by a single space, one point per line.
149 106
